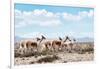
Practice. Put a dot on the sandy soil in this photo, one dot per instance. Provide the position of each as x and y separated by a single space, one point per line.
62 57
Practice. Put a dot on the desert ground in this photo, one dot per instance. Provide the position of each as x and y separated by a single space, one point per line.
58 58
83 51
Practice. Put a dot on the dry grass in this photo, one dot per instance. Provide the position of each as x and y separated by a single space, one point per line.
48 59
82 48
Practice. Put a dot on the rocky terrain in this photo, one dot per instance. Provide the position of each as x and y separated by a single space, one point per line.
61 57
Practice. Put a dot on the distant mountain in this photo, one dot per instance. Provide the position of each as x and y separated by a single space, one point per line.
17 38
85 39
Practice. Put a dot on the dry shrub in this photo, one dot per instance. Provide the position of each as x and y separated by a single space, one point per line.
87 48
30 52
24 52
83 48
48 59
32 62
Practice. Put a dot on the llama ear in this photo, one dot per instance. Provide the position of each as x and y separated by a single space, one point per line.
43 37
38 39
66 38
60 38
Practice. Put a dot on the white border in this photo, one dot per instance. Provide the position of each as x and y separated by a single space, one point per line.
75 3
12 34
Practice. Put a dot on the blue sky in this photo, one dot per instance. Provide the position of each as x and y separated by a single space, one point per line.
53 21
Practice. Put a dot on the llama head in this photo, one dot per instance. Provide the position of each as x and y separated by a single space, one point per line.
42 38
67 38
73 40
38 39
64 40
60 38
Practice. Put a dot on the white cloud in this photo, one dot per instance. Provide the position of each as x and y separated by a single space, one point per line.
71 17
51 23
46 18
18 12
77 34
28 35
32 34
38 12
37 17
80 16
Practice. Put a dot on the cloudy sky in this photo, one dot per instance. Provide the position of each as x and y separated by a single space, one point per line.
53 21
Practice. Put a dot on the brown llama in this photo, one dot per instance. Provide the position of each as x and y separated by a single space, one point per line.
69 44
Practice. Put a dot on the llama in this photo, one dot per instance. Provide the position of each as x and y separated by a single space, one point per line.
21 49
45 44
69 44
32 45
41 44
49 45
56 44
28 46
